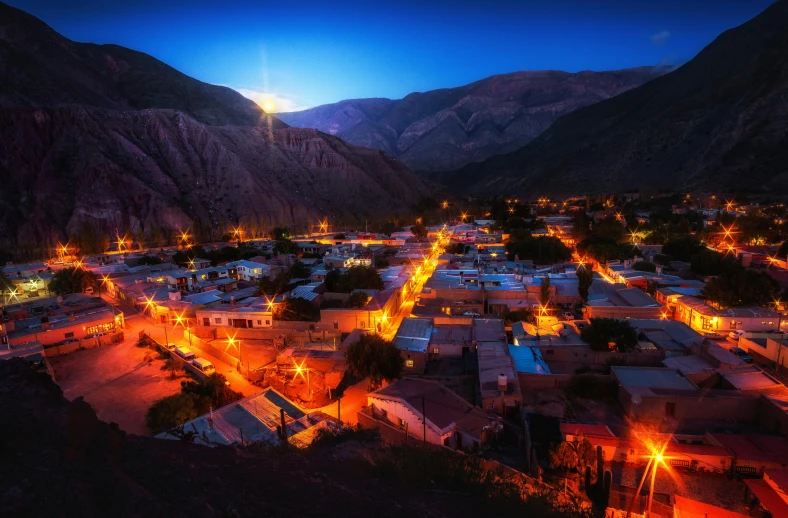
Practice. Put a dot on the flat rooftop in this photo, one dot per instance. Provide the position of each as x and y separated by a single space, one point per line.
652 377
414 334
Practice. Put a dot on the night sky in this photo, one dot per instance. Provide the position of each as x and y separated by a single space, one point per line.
302 53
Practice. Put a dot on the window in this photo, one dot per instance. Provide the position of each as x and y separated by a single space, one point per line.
491 405
409 363
259 322
69 335
267 322
402 422
206 321
218 320
435 350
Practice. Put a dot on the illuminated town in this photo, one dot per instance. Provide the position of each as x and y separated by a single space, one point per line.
523 258
605 346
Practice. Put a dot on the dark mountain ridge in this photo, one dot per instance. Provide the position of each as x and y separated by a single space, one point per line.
718 122
110 138
450 127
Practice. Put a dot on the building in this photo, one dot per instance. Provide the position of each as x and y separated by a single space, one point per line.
498 382
255 419
418 406
617 301
250 271
413 340
765 348
769 493
252 313
704 318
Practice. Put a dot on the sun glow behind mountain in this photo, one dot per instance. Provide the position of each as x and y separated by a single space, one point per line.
271 102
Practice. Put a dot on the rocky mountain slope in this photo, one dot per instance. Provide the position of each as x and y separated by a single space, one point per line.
108 136
60 460
718 122
448 128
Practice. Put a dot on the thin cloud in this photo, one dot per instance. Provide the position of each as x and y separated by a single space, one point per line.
660 38
271 102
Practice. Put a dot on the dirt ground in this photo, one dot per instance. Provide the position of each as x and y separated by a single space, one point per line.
117 381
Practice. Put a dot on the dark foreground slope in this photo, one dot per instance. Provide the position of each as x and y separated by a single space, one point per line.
718 122
59 460
448 128
113 138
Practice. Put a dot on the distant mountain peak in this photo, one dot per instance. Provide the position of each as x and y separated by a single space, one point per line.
450 127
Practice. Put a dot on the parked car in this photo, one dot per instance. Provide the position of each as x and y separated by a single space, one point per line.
742 354
569 316
711 335
170 347
471 314
735 335
204 366
185 353
69 341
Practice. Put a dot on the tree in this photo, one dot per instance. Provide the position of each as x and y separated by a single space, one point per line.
645 266
172 411
149 259
357 299
71 280
575 454
683 248
356 278
279 233
300 270
374 357
602 331
585 276
455 248
419 230
272 287
213 391
544 291
296 309
709 262
518 315
741 286
540 250
285 246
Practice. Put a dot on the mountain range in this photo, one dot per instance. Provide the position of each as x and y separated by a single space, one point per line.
719 122
451 127
111 138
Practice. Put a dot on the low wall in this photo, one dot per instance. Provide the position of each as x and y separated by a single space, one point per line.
60 350
543 381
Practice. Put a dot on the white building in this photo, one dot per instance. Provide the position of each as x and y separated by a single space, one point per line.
450 420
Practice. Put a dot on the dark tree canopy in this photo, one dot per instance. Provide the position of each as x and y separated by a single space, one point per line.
374 357
585 276
300 270
540 250
644 266
742 287
357 277
682 249
71 280
419 230
357 299
602 331
296 309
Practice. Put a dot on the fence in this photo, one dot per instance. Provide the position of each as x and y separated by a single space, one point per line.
85 343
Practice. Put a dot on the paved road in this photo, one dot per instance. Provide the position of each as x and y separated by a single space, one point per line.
136 322
353 399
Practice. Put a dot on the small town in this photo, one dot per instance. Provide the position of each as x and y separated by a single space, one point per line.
623 352
521 258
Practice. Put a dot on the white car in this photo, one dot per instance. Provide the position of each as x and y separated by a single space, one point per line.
471 314
568 316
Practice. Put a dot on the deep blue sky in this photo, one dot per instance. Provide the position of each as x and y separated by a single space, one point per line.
304 52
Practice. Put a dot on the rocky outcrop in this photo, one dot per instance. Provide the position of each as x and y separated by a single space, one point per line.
448 128
59 460
113 138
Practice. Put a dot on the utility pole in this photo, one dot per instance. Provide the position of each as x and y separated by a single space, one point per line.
339 411
424 418
284 428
